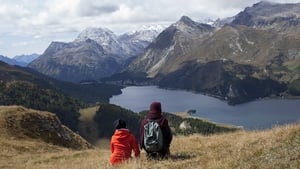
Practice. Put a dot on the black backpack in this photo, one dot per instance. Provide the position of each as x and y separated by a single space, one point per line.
153 137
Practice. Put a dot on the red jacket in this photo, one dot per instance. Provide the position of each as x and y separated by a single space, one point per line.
121 145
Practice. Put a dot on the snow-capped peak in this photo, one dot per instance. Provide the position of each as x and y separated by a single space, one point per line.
148 28
100 35
145 33
103 36
128 44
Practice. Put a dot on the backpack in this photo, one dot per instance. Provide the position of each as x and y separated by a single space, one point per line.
153 137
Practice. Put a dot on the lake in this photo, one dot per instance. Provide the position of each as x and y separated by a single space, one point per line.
255 115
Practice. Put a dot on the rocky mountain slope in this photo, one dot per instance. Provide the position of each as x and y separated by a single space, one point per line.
269 15
260 45
167 52
95 53
76 61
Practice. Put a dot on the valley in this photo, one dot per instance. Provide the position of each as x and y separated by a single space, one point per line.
237 75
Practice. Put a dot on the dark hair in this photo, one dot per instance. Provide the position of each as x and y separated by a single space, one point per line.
119 123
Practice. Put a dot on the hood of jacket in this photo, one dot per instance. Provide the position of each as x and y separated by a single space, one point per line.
155 111
121 134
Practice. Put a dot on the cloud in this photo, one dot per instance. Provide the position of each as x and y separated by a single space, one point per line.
65 8
58 19
24 43
9 11
94 8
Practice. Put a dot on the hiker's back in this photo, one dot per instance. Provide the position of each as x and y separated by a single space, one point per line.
153 136
156 136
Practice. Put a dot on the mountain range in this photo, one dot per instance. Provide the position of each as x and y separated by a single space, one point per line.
20 60
226 59
95 53
26 59
259 46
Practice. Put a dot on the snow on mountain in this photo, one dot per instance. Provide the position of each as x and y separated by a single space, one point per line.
166 52
135 42
100 35
146 33
127 45
104 37
94 54
217 23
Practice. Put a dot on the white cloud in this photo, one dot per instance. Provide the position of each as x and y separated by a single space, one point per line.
24 43
11 11
58 19
96 8
65 8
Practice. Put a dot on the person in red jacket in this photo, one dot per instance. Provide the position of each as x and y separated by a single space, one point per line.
155 113
123 142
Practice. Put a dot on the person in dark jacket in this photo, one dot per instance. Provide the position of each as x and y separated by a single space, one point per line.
155 113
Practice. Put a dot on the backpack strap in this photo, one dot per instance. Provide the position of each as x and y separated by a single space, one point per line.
156 119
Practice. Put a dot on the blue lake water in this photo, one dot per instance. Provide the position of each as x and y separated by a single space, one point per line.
255 115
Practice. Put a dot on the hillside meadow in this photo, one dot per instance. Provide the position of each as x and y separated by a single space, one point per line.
278 148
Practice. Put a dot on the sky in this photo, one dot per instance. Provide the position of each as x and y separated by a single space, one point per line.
29 26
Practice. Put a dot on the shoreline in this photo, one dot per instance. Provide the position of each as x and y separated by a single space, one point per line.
186 115
283 97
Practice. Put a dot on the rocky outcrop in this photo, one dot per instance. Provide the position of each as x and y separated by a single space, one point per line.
23 123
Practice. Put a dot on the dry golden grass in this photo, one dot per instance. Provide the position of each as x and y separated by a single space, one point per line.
278 148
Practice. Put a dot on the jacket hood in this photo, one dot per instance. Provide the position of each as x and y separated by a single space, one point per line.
155 110
122 134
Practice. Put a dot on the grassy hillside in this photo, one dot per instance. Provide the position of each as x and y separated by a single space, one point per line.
26 87
276 148
32 96
106 114
88 92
